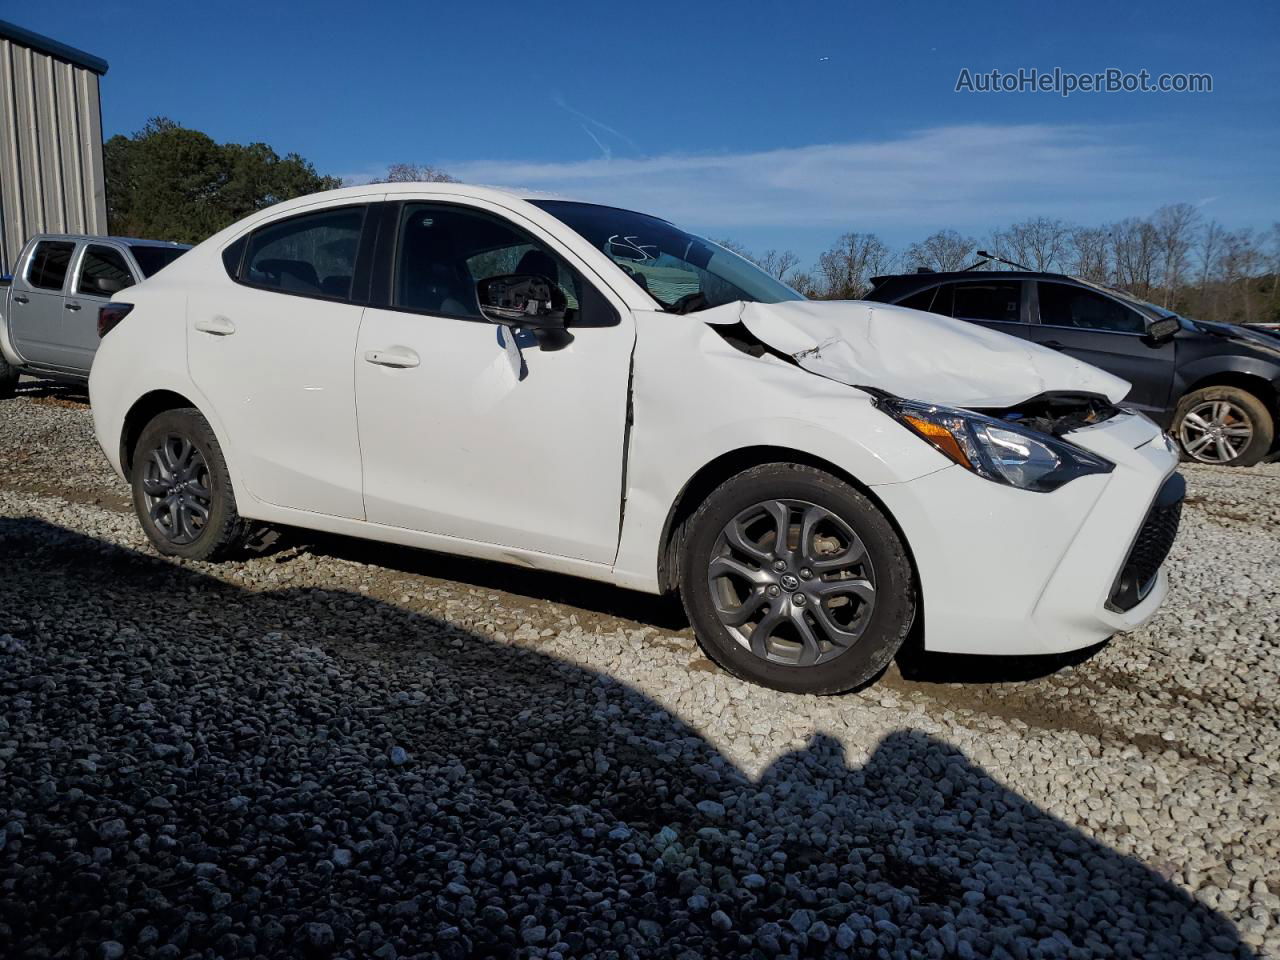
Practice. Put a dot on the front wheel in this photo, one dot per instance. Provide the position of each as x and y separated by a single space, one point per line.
182 490
1224 426
8 378
794 580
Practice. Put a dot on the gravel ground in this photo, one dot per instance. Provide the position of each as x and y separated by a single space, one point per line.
335 748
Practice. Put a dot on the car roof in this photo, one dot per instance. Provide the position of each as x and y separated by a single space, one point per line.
132 241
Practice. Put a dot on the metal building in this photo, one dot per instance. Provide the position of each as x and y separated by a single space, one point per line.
51 177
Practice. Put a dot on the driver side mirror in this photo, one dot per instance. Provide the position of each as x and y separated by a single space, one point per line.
1163 329
522 300
109 286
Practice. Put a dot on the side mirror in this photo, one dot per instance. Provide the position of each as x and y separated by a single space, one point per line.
109 286
521 300
1163 329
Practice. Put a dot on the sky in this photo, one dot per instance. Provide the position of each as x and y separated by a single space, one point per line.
778 125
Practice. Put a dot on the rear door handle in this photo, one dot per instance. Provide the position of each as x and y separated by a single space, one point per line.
71 306
399 357
218 326
20 299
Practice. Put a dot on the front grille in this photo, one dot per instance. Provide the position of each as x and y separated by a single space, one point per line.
1151 547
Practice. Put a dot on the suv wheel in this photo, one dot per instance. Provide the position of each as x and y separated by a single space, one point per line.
1225 426
794 580
182 490
8 378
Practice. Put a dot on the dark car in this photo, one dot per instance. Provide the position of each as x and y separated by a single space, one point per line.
1214 386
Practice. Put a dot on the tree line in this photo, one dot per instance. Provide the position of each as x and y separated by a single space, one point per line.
1175 258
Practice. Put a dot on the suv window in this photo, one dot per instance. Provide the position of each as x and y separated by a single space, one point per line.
989 300
443 251
1064 305
49 264
970 300
312 255
102 263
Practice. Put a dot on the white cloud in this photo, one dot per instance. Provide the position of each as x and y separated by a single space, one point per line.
966 176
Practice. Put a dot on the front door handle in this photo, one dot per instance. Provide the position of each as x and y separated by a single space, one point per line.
71 306
1054 345
20 299
218 326
399 357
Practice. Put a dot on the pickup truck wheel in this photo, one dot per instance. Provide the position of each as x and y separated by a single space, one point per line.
1224 426
8 379
794 580
182 490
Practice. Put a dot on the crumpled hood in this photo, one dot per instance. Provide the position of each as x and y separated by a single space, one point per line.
913 354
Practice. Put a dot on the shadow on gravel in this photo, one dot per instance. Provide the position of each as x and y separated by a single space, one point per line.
73 394
190 769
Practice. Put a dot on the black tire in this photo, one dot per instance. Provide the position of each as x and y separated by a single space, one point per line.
222 530
1243 407
8 379
883 628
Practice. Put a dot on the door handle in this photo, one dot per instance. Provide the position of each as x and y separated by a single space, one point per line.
218 326
20 299
399 357
71 306
1054 344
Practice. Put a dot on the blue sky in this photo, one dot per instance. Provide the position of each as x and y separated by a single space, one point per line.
780 125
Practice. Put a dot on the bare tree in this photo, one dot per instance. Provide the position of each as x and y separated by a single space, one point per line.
1241 260
1210 254
944 250
1175 226
846 269
1041 243
1134 254
1089 254
415 173
776 263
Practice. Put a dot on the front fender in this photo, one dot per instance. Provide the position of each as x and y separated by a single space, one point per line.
696 398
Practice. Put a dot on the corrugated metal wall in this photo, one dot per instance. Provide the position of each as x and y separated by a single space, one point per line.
51 176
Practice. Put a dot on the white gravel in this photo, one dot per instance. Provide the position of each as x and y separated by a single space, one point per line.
312 752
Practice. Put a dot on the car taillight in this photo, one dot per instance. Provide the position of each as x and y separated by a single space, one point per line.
110 315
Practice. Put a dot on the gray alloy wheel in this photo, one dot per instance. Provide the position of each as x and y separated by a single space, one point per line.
791 582
177 488
1215 431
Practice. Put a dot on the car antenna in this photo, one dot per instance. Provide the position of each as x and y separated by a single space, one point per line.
986 258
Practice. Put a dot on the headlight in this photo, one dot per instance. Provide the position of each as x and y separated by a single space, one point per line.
1000 451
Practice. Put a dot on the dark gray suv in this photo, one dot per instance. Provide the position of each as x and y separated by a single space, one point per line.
1214 386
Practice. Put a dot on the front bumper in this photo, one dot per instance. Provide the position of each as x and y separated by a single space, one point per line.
1006 571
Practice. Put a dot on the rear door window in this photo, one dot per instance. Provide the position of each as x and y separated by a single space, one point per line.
49 263
102 267
996 301
312 255
1065 305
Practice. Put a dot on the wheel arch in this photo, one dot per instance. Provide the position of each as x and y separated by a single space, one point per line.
1255 383
729 464
143 411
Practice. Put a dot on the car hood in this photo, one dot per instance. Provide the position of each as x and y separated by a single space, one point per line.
913 354
1256 340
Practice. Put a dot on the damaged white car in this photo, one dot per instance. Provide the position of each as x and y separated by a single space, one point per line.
588 390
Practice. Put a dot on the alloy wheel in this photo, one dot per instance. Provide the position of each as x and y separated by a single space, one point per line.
176 485
791 582
1215 431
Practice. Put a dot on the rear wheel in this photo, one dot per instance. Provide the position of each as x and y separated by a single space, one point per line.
794 580
182 490
1225 426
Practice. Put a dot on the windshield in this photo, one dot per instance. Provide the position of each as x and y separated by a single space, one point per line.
150 259
682 272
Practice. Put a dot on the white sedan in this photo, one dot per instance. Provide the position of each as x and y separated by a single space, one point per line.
584 389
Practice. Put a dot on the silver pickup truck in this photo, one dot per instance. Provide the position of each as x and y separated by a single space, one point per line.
49 306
